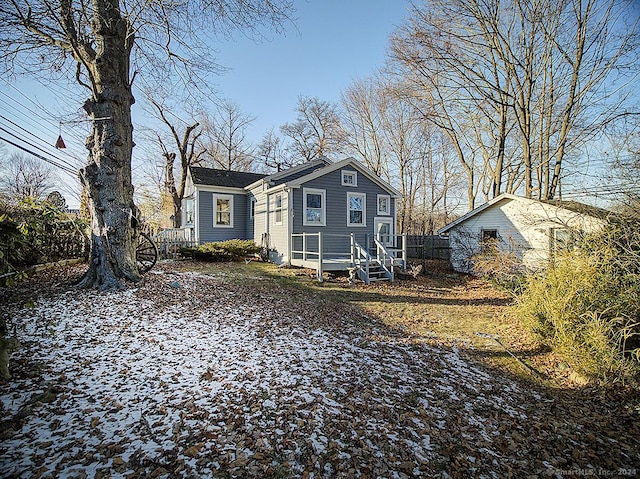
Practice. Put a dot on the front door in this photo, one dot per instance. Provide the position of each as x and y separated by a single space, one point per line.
384 230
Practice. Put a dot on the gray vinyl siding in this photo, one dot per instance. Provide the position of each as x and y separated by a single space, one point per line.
336 208
208 232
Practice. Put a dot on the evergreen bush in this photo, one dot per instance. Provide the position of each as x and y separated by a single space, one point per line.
230 250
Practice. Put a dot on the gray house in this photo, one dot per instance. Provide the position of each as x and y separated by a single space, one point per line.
322 215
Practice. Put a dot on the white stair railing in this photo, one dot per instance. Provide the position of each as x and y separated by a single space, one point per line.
385 258
360 257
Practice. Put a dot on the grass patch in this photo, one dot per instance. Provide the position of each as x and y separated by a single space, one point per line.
438 309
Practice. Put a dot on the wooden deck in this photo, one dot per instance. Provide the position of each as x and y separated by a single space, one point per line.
328 264
375 261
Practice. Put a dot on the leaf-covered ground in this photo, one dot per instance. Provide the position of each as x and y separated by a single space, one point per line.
214 375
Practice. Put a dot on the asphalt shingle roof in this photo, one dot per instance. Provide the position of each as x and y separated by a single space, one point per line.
231 179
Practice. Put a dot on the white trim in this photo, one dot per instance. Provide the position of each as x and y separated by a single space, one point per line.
342 164
222 189
277 208
378 210
252 208
347 173
384 219
185 211
255 184
290 171
290 216
323 206
497 199
196 218
273 189
352 194
480 208
217 196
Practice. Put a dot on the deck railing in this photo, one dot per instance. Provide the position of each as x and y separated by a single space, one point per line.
360 259
386 259
320 249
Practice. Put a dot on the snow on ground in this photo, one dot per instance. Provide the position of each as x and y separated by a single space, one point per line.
193 381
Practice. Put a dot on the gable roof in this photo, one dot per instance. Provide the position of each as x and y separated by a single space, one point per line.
582 208
293 177
226 178
574 206
317 173
297 171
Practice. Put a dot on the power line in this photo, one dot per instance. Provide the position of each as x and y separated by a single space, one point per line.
39 139
51 162
47 121
60 162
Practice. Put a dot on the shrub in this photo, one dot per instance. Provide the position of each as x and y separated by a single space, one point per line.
230 250
33 232
587 305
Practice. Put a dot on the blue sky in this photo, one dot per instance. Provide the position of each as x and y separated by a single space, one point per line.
332 43
336 41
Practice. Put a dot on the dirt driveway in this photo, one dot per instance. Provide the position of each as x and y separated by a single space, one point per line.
230 372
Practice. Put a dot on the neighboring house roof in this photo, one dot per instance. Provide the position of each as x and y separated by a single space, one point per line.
578 207
568 205
226 178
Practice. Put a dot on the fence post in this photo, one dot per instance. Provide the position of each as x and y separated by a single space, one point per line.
320 278
404 251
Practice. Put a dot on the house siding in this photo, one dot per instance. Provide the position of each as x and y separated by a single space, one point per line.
336 230
263 229
259 225
206 229
279 233
523 228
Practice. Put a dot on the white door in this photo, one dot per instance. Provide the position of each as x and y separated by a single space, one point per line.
384 230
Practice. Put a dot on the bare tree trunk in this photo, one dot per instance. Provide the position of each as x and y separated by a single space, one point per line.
107 176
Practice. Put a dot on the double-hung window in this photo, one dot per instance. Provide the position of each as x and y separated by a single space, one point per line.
314 207
277 209
189 209
384 205
356 209
223 211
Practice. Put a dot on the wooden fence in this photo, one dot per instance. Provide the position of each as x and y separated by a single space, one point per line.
428 247
171 241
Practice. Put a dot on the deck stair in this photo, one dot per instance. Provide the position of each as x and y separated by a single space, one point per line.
370 260
377 272
373 264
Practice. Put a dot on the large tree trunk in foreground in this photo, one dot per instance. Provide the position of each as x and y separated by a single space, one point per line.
107 176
